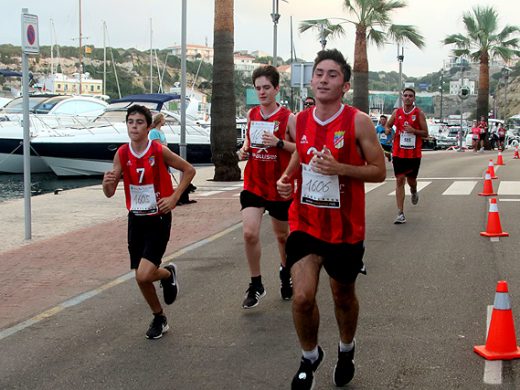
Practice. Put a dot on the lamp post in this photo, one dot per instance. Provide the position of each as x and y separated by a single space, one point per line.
505 74
441 88
276 17
400 59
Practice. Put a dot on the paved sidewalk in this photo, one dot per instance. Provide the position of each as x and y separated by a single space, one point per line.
79 241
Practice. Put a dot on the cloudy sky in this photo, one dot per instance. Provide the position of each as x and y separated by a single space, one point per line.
128 23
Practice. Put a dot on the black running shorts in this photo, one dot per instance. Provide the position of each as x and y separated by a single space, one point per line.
408 167
343 262
277 209
148 236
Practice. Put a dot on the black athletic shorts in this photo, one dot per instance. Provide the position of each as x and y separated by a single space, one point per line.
148 236
277 209
343 262
387 148
408 167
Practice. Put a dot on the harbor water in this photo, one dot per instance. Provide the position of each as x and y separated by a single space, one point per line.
11 185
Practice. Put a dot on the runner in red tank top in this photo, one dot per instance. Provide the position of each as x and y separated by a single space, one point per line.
268 145
411 128
150 198
337 150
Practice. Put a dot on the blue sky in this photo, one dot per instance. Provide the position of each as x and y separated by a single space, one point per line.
128 23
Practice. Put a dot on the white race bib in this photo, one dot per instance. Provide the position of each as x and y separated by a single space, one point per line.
407 140
382 136
143 199
319 190
257 129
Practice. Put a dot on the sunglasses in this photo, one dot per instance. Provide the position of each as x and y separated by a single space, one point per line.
309 104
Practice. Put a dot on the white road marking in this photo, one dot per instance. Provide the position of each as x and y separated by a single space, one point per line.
372 186
460 188
492 368
509 200
420 185
509 188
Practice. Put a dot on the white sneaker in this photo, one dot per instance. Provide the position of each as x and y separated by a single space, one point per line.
400 219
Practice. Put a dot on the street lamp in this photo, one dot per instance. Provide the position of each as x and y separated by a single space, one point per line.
441 89
276 17
505 74
400 59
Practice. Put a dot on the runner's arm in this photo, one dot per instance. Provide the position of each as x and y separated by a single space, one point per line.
188 172
244 150
423 131
111 178
390 124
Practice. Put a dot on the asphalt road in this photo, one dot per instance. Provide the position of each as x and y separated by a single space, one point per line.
423 307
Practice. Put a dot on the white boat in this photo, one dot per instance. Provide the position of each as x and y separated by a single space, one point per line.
90 150
46 112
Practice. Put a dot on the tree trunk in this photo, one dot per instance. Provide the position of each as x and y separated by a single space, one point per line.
360 70
223 119
483 93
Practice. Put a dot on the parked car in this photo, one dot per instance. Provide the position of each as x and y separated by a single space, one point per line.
450 137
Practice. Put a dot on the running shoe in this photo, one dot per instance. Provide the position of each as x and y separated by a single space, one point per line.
169 285
304 378
344 369
285 283
415 197
400 219
253 296
158 327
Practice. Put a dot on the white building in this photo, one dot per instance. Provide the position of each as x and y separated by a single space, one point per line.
195 53
456 85
63 84
245 63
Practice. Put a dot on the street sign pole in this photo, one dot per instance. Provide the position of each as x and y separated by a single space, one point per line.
30 45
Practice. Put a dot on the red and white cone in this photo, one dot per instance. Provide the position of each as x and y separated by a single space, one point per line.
494 228
488 186
500 159
501 339
516 156
491 169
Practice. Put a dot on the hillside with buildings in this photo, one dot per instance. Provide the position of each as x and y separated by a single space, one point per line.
128 72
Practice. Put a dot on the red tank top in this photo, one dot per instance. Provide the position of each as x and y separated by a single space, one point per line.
144 176
345 224
401 118
266 165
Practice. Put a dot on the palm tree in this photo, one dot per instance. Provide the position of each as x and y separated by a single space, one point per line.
481 43
371 19
223 119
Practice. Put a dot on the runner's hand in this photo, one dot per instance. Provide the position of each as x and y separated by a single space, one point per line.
323 162
243 152
268 139
284 186
167 204
109 177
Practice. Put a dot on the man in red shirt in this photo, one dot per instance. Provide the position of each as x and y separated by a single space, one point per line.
268 146
337 150
150 198
411 128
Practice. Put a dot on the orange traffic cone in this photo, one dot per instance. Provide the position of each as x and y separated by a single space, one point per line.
501 338
516 155
491 169
500 160
488 186
494 229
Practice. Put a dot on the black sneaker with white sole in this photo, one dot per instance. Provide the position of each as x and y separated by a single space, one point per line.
286 290
345 368
304 378
158 327
170 285
253 296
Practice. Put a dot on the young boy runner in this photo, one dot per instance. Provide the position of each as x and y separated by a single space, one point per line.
337 150
269 146
150 198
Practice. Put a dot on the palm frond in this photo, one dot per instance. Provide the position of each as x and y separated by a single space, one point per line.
377 37
404 33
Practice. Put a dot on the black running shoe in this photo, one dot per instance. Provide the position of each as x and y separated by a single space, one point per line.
304 378
158 326
253 296
169 285
344 369
285 283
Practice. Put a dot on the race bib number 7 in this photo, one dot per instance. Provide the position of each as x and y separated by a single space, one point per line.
319 190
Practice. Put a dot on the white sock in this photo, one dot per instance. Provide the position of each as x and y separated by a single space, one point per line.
311 355
344 347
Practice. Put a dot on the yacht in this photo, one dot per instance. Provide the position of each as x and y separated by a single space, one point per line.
89 150
46 111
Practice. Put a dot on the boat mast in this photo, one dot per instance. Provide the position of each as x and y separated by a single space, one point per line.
52 50
151 58
80 50
104 59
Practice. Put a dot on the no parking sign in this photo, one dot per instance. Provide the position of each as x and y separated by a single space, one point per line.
30 35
